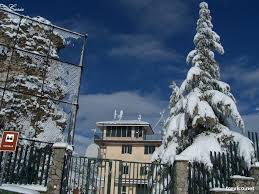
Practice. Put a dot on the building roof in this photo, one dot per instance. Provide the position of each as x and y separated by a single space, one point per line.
123 122
146 125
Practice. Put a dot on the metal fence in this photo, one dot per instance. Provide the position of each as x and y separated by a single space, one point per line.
253 136
102 176
41 67
28 165
224 165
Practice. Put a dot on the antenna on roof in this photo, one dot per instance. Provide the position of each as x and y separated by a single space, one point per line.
120 115
161 119
115 114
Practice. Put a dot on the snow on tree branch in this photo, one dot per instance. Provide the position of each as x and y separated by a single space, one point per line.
202 110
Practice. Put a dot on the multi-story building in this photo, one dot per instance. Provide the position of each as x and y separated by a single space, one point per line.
127 140
126 150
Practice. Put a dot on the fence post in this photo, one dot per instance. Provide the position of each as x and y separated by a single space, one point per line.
181 176
56 168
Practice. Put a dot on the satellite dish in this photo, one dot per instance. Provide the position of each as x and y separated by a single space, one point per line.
93 151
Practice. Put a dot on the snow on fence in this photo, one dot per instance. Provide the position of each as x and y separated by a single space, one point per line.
29 165
202 178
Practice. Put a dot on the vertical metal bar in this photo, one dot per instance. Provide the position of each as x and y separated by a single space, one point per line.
163 176
105 174
235 159
34 160
120 177
220 169
30 161
114 176
100 179
19 165
257 146
148 177
129 177
224 169
3 168
14 166
109 178
189 179
23 165
79 174
72 163
97 175
232 165
9 166
83 176
133 179
43 164
48 165
38 164
71 139
228 169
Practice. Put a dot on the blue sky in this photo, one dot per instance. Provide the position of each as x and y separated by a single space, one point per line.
137 47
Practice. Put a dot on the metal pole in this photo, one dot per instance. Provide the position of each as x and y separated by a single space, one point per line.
3 168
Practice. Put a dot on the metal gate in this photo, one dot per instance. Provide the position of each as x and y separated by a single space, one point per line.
102 176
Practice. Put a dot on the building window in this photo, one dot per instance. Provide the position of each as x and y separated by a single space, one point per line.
139 132
126 149
128 131
143 170
113 133
124 190
125 169
118 131
108 131
149 149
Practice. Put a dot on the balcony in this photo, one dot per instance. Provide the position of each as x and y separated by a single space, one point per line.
154 137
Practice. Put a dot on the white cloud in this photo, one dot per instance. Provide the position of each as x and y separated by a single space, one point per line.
144 48
160 17
241 70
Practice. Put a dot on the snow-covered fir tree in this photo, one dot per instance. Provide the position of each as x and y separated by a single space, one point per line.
202 111
28 77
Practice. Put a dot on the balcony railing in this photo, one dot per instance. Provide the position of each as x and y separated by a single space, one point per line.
154 137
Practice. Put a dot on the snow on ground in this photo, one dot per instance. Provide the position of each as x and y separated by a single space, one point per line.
23 189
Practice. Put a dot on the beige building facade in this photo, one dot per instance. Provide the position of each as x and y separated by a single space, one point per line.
133 141
126 148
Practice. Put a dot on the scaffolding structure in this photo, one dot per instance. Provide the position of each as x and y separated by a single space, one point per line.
67 63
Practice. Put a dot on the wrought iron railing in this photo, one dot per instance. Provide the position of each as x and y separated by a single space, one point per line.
253 136
154 137
224 165
91 175
28 165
